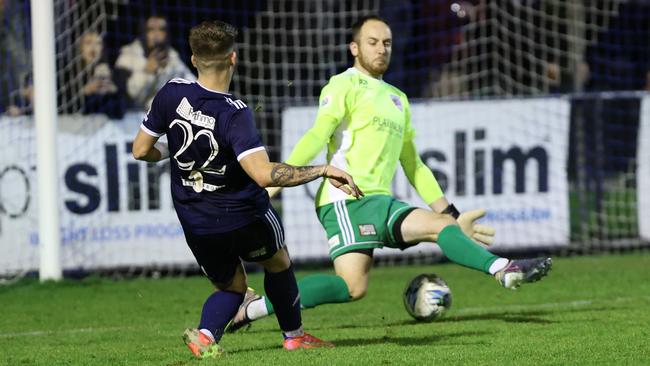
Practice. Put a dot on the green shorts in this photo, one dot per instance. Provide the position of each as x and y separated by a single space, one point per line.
367 223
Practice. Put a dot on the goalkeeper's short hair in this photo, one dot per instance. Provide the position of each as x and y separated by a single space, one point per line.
356 26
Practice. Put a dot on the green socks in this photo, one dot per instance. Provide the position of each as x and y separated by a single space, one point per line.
319 289
462 250
330 289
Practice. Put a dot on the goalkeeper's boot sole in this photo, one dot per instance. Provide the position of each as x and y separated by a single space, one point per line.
520 271
241 320
304 342
201 345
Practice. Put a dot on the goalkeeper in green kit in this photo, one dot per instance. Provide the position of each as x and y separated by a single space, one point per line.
366 125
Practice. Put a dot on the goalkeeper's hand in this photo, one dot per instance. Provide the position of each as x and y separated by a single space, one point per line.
481 234
273 191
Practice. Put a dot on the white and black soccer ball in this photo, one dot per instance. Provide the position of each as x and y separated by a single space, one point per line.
427 297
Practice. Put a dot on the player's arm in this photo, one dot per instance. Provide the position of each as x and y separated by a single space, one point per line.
269 174
309 145
147 148
331 111
422 179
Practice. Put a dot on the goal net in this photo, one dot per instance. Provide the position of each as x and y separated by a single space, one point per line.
534 110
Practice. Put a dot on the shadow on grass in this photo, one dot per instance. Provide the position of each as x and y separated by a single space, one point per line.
425 340
523 316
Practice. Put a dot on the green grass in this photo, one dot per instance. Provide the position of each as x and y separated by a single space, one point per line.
590 310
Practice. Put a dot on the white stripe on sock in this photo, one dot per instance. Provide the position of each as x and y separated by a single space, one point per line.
257 309
207 332
294 333
498 265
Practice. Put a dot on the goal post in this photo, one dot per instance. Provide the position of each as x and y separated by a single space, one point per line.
45 116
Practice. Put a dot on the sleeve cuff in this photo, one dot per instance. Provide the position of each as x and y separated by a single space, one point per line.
249 151
149 132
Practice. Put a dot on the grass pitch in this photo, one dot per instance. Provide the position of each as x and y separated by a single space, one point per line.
590 310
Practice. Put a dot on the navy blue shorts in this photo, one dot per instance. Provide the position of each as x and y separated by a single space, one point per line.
220 254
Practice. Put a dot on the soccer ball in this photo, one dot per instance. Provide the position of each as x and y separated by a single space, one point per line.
427 297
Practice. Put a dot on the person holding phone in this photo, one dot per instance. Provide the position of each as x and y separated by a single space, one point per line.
149 62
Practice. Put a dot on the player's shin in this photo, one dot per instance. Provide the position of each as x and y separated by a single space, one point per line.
282 291
315 290
218 309
460 249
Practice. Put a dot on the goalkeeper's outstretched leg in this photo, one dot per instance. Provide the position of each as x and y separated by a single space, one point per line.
462 240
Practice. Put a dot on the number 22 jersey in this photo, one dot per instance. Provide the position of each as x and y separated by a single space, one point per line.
208 132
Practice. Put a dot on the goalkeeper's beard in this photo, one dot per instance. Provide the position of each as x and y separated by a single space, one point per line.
373 67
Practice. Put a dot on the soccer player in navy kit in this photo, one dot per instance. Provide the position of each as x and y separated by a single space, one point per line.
219 169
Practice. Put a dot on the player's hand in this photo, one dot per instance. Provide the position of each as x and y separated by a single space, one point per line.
482 234
273 191
342 180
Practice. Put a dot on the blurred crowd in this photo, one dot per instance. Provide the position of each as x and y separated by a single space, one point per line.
89 83
465 48
441 48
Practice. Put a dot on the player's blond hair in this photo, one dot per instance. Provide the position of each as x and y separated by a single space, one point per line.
211 44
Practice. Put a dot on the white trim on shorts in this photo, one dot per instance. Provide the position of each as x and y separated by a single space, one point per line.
278 233
345 224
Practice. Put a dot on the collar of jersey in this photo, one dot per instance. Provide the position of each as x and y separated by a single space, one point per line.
357 71
210 90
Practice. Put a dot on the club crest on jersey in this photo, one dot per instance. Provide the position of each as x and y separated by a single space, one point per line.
186 111
325 101
397 102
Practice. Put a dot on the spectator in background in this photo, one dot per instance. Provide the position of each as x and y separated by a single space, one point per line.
15 58
100 92
149 62
20 101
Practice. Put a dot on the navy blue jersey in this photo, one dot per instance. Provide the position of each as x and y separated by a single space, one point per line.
208 132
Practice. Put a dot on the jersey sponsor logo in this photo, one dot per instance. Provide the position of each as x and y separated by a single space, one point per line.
257 253
236 103
367 230
197 118
386 124
397 102
196 182
363 83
